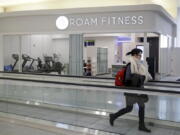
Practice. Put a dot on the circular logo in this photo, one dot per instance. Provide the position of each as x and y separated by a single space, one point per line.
62 22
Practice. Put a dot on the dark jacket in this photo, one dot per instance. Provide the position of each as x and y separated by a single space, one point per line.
134 80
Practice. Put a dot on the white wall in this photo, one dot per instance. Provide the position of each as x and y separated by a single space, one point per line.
11 46
176 51
178 29
46 45
105 42
61 46
111 43
36 46
1 54
165 55
175 62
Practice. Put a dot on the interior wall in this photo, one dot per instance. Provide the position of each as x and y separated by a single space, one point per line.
2 53
11 46
127 47
165 55
104 42
178 29
46 45
111 43
175 62
36 46
61 47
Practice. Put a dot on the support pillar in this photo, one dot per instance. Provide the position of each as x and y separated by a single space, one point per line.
76 54
1 54
146 47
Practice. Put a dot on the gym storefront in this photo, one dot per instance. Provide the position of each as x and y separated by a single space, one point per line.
21 31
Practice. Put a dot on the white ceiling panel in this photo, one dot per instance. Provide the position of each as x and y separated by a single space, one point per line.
4 3
178 2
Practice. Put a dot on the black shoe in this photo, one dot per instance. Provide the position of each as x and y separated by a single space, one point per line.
111 120
143 128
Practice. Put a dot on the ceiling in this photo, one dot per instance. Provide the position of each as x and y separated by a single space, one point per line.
178 2
5 3
22 5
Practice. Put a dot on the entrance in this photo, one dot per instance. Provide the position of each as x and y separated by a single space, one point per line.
103 54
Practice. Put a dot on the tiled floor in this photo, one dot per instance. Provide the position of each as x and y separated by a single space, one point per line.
122 126
7 128
158 106
11 126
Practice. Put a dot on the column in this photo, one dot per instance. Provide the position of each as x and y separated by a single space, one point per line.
146 47
76 54
1 54
20 53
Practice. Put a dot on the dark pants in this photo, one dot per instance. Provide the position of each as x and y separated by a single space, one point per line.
131 99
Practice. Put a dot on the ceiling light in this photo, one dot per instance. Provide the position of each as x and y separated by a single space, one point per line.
103 113
97 112
109 102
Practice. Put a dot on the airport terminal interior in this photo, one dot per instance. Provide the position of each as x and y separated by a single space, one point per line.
60 60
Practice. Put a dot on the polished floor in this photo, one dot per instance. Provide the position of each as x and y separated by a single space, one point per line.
159 106
95 122
8 128
11 124
28 99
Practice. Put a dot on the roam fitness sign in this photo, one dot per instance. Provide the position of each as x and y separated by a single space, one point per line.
64 22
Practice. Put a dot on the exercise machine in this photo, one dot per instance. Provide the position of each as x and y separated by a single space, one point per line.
11 68
16 58
25 67
50 65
